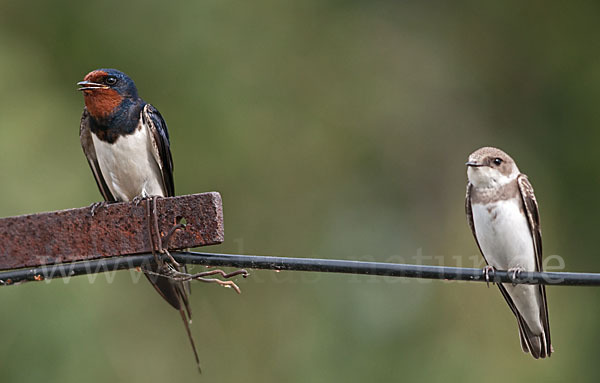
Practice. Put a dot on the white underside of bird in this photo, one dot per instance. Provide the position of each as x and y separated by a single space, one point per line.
128 166
505 239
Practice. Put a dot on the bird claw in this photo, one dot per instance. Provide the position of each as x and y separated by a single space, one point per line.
486 273
514 273
95 206
137 200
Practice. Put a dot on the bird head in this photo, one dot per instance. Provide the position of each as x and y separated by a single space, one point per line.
104 90
490 167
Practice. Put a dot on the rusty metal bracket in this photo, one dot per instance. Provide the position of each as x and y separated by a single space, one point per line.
116 229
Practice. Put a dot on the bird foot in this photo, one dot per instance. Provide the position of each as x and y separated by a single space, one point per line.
138 199
514 273
96 206
486 273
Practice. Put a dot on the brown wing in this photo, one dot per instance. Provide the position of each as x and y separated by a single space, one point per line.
85 136
469 211
533 217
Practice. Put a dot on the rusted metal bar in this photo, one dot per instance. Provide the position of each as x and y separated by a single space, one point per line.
117 229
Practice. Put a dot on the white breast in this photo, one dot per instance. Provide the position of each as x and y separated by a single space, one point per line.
128 166
504 235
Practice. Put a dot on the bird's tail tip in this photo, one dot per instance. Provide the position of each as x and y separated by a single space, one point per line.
536 344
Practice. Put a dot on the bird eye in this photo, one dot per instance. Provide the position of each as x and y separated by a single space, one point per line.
497 161
111 80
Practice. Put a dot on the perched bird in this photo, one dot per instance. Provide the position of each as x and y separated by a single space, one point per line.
503 214
126 143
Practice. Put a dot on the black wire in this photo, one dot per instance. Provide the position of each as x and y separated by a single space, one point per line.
299 264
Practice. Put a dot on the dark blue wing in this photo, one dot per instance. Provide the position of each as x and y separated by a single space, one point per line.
162 149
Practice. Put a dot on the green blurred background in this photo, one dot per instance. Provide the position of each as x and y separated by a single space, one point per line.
334 129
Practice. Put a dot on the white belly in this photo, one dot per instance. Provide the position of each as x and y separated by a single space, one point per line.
506 242
128 166
504 235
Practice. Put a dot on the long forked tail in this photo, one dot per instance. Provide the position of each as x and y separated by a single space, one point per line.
176 294
186 323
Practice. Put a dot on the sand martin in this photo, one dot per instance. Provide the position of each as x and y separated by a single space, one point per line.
503 214
126 143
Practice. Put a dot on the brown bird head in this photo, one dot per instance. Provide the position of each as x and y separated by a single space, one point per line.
491 167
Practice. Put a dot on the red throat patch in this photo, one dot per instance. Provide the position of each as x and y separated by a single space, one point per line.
100 103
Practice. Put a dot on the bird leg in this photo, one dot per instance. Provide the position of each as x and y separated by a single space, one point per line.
486 273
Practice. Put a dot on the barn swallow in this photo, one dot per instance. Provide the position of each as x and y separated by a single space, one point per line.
503 215
126 143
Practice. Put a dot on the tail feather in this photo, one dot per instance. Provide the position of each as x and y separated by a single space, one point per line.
537 344
524 345
165 287
186 323
534 343
176 294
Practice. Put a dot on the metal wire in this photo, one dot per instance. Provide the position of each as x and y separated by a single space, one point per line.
300 264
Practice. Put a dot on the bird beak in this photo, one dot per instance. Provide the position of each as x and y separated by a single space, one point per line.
88 85
474 164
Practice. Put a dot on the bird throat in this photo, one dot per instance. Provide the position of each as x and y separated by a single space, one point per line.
101 103
122 120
